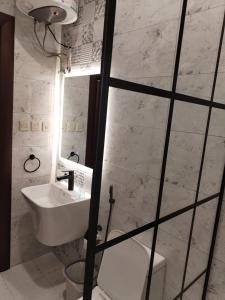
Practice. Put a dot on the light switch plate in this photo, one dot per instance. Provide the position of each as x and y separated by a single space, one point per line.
45 126
68 126
73 126
80 126
24 125
36 125
64 126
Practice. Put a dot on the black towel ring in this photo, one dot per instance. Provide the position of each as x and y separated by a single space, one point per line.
72 154
31 157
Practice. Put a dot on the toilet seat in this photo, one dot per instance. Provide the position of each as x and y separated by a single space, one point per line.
98 294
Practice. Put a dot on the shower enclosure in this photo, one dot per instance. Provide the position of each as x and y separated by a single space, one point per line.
175 207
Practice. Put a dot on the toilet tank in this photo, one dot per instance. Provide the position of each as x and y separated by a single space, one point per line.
158 278
124 270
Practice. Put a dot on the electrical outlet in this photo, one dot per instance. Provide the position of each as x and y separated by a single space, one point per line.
45 126
36 125
24 125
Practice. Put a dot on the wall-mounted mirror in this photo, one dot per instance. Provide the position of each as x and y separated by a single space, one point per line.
80 119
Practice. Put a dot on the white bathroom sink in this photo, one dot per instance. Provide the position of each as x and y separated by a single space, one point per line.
59 215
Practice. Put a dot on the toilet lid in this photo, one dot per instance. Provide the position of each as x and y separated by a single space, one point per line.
123 269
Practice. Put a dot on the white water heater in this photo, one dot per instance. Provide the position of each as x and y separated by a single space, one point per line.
50 11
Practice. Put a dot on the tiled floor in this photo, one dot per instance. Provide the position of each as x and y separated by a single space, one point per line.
39 279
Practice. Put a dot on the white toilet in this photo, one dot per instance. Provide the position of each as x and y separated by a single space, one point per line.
123 272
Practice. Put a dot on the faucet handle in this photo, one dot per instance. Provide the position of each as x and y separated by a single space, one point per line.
68 171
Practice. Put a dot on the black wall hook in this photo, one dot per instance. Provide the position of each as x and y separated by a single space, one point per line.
31 157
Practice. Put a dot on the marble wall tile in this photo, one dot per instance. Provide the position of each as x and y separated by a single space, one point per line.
197 85
80 15
79 82
175 197
137 109
184 159
135 194
220 245
98 29
33 97
217 127
220 91
189 118
128 223
88 12
28 58
203 227
143 13
202 5
213 166
124 147
99 9
134 56
96 51
22 227
26 249
178 227
216 290
200 42
88 33
73 35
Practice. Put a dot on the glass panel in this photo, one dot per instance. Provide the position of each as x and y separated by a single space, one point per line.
184 156
144 47
201 239
135 138
172 244
220 90
195 291
215 155
199 49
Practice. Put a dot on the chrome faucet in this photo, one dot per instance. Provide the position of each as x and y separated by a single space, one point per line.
70 178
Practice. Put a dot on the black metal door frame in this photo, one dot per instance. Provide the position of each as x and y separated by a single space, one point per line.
7 28
106 83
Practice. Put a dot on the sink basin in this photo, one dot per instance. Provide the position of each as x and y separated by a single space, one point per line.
59 216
